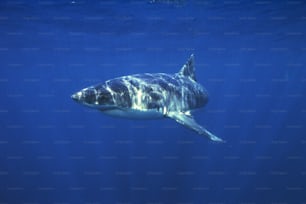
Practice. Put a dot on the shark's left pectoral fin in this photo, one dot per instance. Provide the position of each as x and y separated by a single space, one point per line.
188 121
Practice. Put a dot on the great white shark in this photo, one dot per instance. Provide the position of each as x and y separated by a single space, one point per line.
150 96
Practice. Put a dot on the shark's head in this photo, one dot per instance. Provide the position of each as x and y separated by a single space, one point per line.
95 97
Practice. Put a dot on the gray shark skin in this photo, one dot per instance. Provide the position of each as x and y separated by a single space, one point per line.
151 96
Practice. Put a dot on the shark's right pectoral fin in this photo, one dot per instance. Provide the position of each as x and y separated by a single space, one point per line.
188 121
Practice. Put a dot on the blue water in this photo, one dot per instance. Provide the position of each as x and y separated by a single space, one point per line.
250 56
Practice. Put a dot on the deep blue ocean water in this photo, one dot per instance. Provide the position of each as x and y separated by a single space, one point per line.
250 56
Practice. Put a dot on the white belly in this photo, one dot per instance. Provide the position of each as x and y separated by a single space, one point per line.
134 114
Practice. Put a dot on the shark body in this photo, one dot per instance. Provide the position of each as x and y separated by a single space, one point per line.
151 96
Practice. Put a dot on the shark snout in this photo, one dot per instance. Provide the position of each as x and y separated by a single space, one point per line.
85 96
76 96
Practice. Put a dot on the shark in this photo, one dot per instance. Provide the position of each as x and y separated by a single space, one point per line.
151 96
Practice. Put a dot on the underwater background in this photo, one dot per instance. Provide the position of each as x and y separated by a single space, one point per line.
250 56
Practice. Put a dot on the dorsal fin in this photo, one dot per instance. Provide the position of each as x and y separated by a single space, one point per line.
188 68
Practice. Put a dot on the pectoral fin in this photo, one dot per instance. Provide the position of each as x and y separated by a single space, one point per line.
188 121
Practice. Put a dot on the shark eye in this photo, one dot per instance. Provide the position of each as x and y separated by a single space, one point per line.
104 98
90 96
